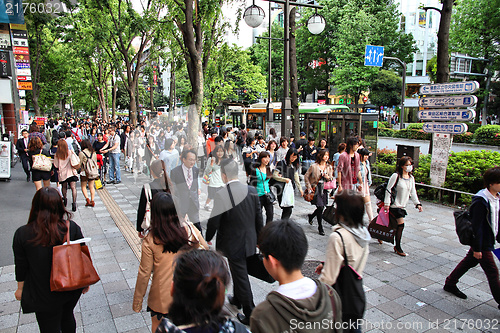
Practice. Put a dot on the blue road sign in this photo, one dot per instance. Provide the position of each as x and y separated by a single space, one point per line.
446 114
448 101
374 55
445 128
453 88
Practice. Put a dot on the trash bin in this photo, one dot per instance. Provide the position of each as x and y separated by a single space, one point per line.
406 150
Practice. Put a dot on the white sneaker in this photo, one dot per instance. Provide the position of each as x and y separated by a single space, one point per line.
207 207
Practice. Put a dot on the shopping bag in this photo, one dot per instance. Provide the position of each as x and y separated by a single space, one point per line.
72 267
329 215
288 199
497 253
98 184
381 232
383 218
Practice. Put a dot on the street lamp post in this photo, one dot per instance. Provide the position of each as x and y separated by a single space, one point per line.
403 90
315 26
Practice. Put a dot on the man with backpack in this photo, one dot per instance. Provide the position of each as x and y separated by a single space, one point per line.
484 213
299 304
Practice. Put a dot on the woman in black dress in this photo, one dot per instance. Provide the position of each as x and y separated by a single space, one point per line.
32 247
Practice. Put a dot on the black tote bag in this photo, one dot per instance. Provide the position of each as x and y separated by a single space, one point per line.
349 286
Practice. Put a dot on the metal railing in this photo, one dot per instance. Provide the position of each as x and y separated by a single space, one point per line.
440 189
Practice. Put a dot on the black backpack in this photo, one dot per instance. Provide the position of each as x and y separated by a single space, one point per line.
463 226
239 139
382 188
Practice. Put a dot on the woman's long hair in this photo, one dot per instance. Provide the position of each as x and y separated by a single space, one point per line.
401 164
47 217
35 144
85 144
321 154
62 150
350 209
214 154
289 153
166 228
200 280
263 154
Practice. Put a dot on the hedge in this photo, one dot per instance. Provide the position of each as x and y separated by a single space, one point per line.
487 135
463 173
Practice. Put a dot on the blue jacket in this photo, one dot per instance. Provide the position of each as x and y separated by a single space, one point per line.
484 237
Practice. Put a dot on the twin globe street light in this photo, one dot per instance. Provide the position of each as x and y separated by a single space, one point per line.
253 16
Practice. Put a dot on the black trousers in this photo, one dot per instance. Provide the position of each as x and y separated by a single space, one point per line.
194 215
268 207
60 321
241 285
26 164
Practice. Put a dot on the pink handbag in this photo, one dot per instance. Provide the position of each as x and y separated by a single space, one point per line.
383 218
330 185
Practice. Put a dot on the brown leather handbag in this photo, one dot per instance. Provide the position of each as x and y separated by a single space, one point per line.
309 194
72 267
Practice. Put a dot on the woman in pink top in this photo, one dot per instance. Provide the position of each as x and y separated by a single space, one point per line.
67 174
348 169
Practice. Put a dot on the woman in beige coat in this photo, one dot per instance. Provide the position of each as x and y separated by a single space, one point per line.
166 238
317 174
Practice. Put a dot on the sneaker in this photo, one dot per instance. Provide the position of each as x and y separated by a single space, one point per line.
455 291
118 182
207 207
110 182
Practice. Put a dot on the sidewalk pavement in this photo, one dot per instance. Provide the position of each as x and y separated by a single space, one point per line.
404 294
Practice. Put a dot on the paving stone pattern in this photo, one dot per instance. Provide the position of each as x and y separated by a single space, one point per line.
403 294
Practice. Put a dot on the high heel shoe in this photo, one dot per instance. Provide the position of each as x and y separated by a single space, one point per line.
73 206
65 202
88 204
310 218
402 254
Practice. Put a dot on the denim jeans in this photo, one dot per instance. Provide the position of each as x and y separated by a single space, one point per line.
114 167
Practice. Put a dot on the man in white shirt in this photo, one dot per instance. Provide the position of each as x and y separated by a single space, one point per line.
113 147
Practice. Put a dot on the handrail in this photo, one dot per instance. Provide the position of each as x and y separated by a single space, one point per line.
440 189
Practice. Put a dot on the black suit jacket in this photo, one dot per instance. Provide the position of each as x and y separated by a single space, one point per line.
20 146
184 195
237 226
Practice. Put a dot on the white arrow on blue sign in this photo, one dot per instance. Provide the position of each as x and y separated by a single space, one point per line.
374 55
467 87
446 114
445 128
448 101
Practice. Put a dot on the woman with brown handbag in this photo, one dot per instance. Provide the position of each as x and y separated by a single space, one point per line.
32 247
160 247
35 148
319 173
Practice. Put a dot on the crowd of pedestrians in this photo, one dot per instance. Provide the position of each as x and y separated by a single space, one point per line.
188 279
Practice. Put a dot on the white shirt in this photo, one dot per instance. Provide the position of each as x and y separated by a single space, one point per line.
185 170
300 289
494 205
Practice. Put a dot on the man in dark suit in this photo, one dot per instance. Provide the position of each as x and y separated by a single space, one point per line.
186 187
22 150
237 220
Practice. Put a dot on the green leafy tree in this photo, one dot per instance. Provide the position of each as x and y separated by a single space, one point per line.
259 54
385 89
475 30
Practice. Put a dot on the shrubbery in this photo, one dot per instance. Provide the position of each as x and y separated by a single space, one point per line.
464 172
487 135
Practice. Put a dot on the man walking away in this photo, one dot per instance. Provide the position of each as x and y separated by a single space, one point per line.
237 220
484 211
300 304
113 147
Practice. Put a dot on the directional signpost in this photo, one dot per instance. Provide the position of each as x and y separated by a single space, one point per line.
446 114
445 108
448 101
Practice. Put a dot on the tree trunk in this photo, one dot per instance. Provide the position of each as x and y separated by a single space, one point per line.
443 68
151 98
171 97
294 85
132 110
